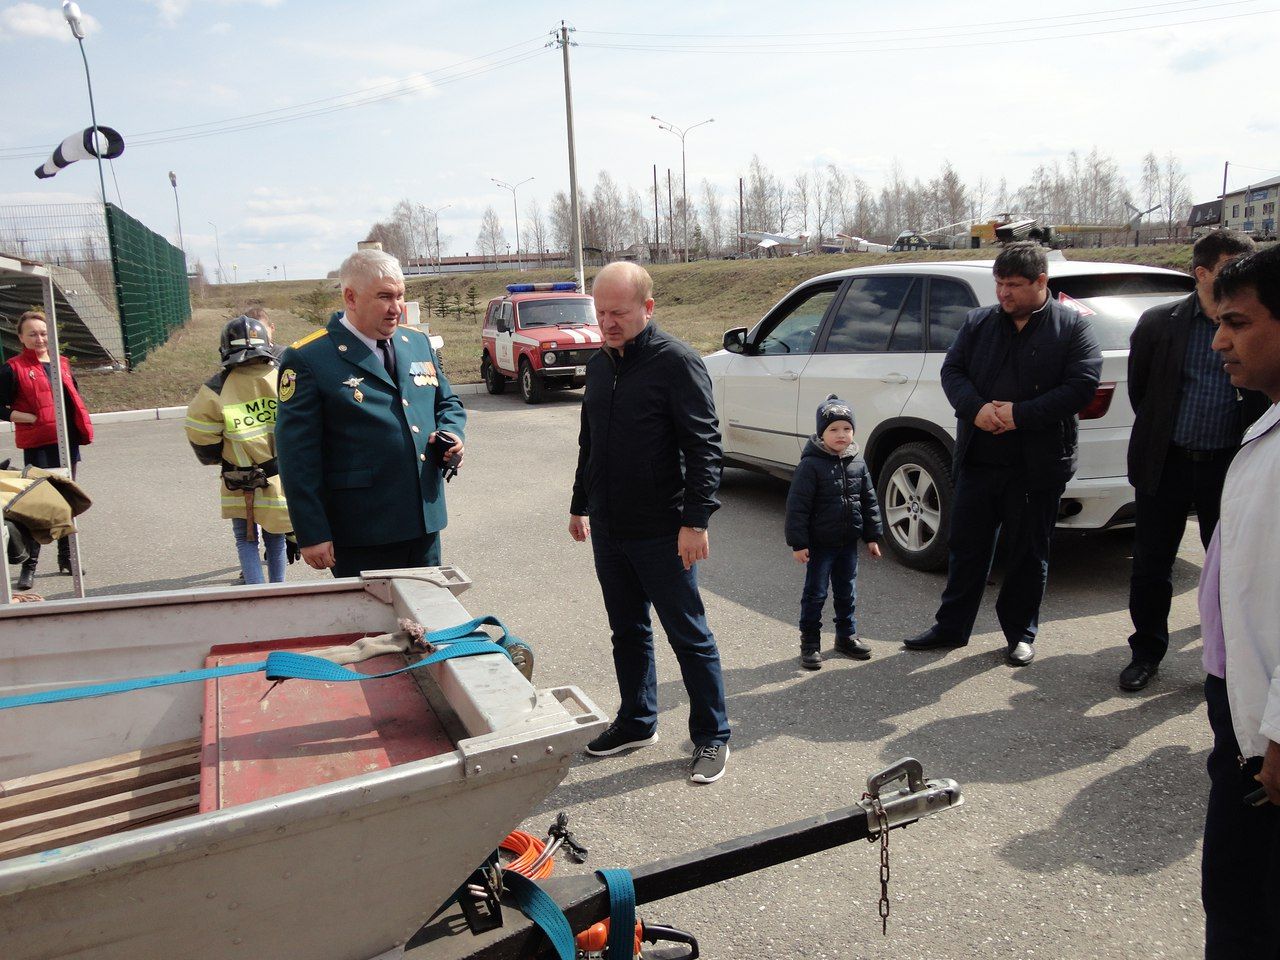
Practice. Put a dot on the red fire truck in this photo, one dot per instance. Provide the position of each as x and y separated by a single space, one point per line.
541 335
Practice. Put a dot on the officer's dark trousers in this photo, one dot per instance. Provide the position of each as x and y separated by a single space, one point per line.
421 551
989 499
1159 525
1240 866
637 574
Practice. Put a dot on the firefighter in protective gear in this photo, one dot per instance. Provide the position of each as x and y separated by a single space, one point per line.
231 423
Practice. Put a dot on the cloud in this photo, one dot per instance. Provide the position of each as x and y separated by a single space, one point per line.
171 11
220 29
44 22
1202 57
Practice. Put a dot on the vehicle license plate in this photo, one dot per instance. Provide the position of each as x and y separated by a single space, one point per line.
580 371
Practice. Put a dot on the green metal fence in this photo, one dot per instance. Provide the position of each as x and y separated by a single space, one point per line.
151 284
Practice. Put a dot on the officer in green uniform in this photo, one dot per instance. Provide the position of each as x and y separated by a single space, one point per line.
361 402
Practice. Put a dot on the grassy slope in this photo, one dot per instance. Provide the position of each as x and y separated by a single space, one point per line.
697 301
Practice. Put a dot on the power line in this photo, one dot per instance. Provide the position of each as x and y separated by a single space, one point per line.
319 107
826 34
864 48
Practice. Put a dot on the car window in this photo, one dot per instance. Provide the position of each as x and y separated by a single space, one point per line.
1113 302
549 313
867 314
908 332
794 327
949 303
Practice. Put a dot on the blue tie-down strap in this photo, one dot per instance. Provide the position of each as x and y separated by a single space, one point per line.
284 665
622 911
536 904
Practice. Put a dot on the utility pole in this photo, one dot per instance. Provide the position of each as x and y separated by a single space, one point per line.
173 179
740 222
562 40
657 231
671 221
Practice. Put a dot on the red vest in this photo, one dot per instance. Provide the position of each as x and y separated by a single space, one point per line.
34 394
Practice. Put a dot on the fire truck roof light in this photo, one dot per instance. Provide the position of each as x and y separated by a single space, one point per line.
565 285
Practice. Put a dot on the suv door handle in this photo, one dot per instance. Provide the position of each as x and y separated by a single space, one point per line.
792 375
893 378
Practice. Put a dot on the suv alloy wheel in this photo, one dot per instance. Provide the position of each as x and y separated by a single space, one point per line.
916 496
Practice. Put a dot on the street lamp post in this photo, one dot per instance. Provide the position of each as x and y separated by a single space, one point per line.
222 277
71 12
516 210
684 178
173 179
435 218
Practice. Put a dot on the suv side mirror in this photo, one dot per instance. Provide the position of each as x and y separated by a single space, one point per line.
735 340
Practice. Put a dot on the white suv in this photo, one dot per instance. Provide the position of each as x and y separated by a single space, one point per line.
876 336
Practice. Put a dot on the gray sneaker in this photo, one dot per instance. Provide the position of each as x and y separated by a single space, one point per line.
708 763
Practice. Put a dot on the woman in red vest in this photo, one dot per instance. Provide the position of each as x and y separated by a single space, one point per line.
26 398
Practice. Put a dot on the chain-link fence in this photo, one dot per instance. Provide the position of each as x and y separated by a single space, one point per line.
121 287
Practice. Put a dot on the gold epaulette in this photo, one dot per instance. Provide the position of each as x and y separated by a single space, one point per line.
314 335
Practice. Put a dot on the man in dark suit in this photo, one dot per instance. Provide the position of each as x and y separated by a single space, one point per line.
361 402
1188 421
1017 375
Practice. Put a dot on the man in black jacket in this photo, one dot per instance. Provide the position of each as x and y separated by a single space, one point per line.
644 491
1017 375
1188 421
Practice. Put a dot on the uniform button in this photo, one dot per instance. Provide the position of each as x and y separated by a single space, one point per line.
415 429
342 348
405 402
404 338
422 456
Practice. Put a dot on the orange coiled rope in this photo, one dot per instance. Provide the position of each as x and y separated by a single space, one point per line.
528 850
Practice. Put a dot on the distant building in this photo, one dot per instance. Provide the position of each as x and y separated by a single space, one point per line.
1252 210
550 259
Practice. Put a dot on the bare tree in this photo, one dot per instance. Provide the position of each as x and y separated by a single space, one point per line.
491 238
536 224
838 199
821 212
561 221
713 214
800 198
1175 197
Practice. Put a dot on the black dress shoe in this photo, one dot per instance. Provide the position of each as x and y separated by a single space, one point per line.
932 640
1020 654
26 577
1138 674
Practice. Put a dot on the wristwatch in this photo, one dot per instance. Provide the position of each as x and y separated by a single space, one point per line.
698 529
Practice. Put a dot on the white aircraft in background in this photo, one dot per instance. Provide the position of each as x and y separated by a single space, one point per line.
769 241
854 244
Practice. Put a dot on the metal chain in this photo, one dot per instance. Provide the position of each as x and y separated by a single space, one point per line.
882 821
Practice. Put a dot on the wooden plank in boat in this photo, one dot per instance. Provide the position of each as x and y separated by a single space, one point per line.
18 827
263 741
102 827
101 785
134 758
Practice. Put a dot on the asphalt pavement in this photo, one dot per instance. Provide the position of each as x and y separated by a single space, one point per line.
1084 806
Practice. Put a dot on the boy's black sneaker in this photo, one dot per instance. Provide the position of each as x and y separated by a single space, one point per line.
708 763
854 647
811 659
616 740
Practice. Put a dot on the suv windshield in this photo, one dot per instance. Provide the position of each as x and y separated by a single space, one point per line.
1117 300
551 313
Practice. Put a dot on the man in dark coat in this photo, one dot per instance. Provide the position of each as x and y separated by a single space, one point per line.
1188 421
645 488
361 402
1017 375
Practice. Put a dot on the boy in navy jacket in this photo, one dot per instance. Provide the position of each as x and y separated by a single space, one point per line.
830 507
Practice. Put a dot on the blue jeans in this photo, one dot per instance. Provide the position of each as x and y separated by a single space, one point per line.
250 563
839 567
635 575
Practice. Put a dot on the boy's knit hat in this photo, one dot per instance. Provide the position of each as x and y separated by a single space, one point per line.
832 409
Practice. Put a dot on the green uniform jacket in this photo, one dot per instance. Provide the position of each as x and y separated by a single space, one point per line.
352 446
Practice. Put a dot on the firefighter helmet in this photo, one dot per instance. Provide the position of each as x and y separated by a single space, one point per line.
245 339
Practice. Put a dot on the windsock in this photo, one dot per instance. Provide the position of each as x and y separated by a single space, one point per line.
81 146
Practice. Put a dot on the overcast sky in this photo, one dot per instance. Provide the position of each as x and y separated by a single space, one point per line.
859 84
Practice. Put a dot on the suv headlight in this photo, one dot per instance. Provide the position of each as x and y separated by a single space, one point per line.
549 358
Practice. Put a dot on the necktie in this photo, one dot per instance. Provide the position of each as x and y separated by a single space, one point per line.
388 358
